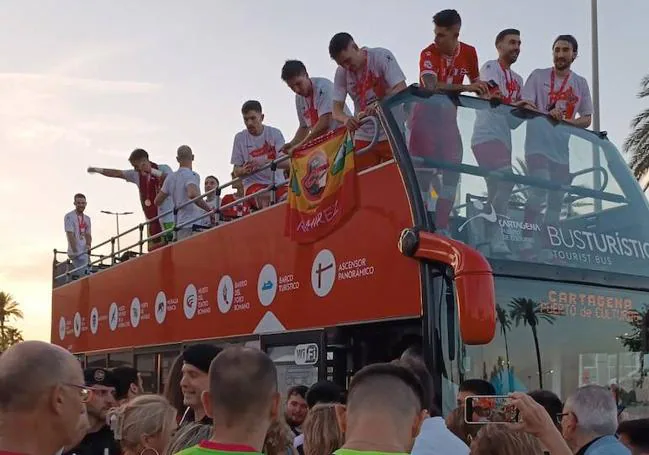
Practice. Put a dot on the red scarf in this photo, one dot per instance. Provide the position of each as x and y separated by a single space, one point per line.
149 187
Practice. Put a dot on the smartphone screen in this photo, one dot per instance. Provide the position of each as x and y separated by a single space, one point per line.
490 409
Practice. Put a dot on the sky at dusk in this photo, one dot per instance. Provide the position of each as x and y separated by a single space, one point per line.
83 83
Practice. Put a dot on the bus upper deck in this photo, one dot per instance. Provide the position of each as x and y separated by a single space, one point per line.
570 286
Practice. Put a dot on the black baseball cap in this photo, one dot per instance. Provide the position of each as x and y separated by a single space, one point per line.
201 355
99 376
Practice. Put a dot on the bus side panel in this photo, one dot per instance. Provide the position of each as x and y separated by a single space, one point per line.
247 277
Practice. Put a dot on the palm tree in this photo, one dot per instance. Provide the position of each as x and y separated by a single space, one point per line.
637 143
9 309
14 336
530 313
505 326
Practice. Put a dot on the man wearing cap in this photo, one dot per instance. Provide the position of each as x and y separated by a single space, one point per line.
196 364
99 437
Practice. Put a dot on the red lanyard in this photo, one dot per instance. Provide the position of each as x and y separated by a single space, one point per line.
554 96
82 224
311 111
511 84
364 83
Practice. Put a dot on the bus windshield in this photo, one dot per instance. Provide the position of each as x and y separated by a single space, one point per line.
518 186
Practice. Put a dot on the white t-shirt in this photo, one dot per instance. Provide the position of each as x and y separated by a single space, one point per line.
260 149
175 186
573 97
436 439
133 176
490 125
79 225
369 85
310 109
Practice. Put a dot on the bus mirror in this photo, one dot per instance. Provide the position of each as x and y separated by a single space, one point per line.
474 284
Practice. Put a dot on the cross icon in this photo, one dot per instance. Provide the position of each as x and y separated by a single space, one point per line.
320 271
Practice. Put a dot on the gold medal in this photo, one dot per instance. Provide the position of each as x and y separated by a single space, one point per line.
147 203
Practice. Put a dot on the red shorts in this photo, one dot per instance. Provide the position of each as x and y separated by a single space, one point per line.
438 140
280 192
380 153
558 172
493 155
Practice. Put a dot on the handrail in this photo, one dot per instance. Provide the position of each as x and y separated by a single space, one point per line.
217 210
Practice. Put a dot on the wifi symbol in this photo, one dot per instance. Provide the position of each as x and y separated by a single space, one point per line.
191 299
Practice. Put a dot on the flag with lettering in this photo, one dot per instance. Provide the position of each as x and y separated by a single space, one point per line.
322 189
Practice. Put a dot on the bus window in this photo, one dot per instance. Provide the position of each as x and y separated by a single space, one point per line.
518 187
120 359
289 373
145 365
559 336
166 361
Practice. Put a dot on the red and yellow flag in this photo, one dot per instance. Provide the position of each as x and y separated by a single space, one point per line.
322 188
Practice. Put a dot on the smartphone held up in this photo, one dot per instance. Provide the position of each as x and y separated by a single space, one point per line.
490 409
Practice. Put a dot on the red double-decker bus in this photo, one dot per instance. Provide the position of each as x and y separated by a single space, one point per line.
564 306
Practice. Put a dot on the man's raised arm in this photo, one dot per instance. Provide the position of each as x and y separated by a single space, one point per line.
114 173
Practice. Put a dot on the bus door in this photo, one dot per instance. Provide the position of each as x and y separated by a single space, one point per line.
300 358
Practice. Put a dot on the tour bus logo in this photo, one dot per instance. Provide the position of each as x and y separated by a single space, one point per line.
315 181
491 216
598 243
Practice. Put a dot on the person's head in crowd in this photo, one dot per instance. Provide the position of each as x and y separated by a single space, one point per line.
501 440
564 51
188 436
383 409
211 183
508 43
102 399
324 392
456 423
253 117
550 401
242 397
145 424
172 390
345 52
42 396
195 380
129 383
321 431
296 406
185 156
139 159
472 387
447 30
417 366
279 439
295 75
589 413
635 435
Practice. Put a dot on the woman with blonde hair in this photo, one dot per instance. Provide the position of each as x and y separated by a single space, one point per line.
498 439
279 439
144 425
322 434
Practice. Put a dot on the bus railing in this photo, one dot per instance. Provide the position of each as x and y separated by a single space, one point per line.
86 269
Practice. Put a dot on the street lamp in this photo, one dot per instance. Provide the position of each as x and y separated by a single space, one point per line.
597 177
117 215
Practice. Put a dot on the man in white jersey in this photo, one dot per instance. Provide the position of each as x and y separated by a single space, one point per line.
562 94
255 147
78 232
492 138
183 186
148 176
367 75
313 102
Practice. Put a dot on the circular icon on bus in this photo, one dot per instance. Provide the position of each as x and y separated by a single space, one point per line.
267 284
77 324
323 273
225 294
190 302
94 321
160 307
62 328
135 312
113 316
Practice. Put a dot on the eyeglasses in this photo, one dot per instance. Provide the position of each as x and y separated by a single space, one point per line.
84 392
561 415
